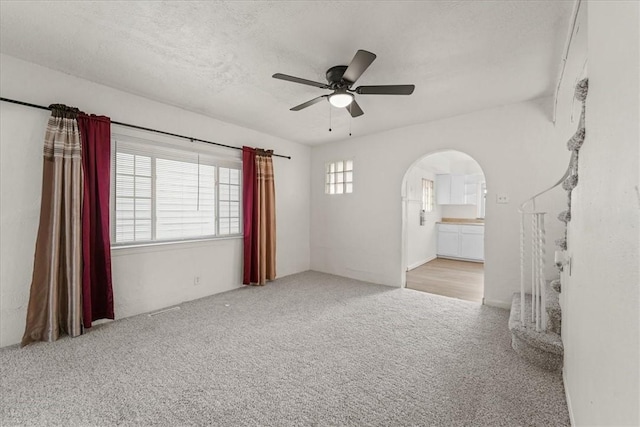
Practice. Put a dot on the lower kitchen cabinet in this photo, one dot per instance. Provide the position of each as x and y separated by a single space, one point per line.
461 241
448 240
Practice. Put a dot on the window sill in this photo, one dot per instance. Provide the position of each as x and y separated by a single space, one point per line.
168 246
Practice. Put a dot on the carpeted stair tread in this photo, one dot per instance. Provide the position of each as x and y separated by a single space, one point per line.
554 312
549 341
544 348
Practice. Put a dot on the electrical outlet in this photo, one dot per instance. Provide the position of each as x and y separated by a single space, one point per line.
196 280
502 198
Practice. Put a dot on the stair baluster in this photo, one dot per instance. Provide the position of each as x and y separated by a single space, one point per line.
534 269
541 276
522 256
537 267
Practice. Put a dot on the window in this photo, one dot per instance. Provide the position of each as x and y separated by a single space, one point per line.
167 194
427 195
482 199
339 177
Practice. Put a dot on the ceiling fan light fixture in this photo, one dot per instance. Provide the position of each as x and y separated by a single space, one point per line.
340 99
340 79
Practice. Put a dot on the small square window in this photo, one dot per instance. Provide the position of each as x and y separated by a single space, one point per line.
339 177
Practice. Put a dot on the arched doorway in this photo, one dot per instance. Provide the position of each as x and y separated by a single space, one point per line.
443 206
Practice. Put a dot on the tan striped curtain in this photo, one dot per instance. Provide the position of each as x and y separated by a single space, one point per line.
55 304
266 206
259 216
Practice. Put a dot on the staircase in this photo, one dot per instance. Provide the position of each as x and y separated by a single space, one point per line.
542 348
536 317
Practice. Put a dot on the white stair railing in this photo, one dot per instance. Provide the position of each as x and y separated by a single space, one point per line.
538 259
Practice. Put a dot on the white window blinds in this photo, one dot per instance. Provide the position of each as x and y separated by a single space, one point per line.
165 194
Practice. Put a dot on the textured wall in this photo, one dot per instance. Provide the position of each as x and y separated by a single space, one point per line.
144 278
600 298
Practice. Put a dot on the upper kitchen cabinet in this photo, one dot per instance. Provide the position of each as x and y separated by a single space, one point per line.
452 189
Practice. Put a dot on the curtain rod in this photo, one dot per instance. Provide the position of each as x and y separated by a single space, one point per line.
41 107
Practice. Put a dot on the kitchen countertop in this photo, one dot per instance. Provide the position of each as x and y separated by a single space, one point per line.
461 221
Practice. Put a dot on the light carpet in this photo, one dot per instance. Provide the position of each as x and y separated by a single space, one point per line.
307 349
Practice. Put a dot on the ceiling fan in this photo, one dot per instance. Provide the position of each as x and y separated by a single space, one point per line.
340 79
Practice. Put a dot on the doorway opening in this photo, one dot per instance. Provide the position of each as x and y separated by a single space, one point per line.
443 205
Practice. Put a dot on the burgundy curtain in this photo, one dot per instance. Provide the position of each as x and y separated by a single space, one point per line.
248 188
97 293
258 207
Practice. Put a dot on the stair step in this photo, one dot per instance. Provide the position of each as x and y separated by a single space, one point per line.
543 348
554 312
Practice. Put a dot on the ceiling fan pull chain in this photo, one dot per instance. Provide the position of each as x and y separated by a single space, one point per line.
329 117
350 121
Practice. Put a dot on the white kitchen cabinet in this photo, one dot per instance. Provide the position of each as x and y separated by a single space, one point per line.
443 189
461 241
457 190
448 240
472 242
454 189
471 189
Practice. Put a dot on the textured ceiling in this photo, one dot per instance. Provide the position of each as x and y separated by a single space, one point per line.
217 58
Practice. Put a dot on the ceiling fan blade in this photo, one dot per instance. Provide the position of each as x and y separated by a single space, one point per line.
358 65
299 80
354 109
386 90
308 103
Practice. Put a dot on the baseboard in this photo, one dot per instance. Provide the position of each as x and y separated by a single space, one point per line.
496 303
567 398
419 263
460 258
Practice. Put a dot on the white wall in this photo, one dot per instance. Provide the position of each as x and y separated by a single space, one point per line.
359 235
148 278
600 299
421 239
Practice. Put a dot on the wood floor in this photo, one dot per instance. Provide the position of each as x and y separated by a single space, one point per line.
450 278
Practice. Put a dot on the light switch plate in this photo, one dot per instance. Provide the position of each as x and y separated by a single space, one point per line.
502 198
